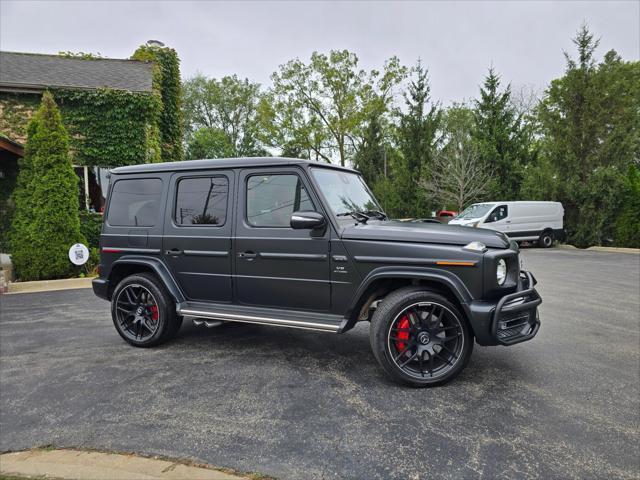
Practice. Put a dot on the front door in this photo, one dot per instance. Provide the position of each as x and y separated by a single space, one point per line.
277 266
499 219
197 234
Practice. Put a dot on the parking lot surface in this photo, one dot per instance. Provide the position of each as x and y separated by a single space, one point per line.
296 404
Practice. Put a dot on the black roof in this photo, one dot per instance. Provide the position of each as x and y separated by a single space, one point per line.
25 72
246 162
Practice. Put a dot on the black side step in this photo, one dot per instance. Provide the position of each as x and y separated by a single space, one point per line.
261 316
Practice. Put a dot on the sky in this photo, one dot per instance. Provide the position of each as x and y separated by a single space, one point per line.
456 40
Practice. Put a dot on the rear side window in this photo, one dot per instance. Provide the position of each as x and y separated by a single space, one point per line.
271 199
202 201
135 202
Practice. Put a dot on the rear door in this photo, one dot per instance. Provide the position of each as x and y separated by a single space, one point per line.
197 234
277 266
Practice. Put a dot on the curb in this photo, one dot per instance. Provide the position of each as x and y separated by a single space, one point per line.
49 285
92 465
565 246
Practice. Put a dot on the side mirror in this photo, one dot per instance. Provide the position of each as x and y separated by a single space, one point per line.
307 220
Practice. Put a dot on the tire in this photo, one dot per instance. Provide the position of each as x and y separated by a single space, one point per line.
546 239
148 320
445 326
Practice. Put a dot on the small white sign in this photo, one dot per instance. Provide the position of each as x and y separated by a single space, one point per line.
78 254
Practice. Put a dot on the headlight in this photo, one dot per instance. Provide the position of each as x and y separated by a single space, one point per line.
501 271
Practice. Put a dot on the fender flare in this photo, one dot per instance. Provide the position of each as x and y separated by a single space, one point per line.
443 277
158 267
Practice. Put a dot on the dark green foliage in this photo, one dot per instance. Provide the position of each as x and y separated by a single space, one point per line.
90 227
417 140
167 82
499 137
590 122
9 170
111 128
46 221
627 233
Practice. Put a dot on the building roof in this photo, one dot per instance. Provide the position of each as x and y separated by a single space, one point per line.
29 72
11 146
222 163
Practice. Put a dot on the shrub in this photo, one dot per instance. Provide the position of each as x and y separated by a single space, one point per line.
46 221
627 233
90 227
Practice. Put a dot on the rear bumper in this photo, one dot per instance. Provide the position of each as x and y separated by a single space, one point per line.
513 319
101 287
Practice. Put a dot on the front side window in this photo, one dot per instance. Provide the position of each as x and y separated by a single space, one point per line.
135 202
499 213
271 199
202 201
345 191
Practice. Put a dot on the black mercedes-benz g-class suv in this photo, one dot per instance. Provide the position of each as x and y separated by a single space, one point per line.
293 243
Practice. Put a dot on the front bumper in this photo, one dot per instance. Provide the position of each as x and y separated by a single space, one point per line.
514 319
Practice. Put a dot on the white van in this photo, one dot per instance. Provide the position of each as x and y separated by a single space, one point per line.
541 221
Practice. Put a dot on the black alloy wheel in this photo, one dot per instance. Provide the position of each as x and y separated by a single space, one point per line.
137 312
143 312
420 338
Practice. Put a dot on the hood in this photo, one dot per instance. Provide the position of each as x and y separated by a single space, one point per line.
394 231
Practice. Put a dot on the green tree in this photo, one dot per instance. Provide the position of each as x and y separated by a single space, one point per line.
501 140
46 221
209 143
417 137
322 106
590 122
167 82
229 106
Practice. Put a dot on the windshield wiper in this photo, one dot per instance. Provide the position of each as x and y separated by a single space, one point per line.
359 216
377 213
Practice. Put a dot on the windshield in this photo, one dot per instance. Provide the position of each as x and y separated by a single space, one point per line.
345 191
475 211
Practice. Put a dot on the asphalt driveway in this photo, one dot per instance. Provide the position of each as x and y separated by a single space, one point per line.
304 405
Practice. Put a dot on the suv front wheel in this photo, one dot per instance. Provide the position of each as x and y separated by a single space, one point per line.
420 338
143 312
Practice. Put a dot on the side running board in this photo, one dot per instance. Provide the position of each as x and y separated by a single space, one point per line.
257 319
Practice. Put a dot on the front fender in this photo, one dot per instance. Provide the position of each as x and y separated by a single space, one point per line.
446 279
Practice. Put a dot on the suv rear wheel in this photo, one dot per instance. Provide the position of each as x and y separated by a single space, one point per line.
143 312
420 338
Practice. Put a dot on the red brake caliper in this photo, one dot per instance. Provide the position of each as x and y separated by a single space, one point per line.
403 325
154 312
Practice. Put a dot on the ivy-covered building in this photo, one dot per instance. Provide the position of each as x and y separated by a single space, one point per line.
117 112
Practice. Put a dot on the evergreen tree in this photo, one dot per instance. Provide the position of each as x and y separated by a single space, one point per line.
499 137
417 140
370 157
590 121
46 221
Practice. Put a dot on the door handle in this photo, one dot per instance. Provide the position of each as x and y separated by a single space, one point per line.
507 221
247 255
174 252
